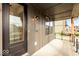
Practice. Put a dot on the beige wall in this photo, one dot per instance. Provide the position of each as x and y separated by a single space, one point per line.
31 32
59 27
0 29
36 35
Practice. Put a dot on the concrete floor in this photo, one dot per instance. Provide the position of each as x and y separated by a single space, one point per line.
57 47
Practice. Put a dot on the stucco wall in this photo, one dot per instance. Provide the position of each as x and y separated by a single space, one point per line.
59 27
36 35
0 29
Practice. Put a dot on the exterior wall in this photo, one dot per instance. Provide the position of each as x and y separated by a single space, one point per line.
0 29
33 36
36 35
59 27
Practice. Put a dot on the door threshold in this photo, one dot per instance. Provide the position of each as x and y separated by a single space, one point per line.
26 54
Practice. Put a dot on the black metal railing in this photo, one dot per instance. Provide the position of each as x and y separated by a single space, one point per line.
77 45
75 42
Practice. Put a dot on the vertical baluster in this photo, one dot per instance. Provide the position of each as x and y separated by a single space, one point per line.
76 45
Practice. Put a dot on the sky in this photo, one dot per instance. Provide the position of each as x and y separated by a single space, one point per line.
76 22
68 22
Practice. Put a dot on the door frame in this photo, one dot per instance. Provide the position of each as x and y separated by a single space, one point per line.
5 27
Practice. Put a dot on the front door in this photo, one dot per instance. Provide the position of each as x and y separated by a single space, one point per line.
14 30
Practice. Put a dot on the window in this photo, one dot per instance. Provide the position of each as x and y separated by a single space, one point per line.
49 27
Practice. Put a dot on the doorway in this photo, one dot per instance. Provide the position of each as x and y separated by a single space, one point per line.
14 29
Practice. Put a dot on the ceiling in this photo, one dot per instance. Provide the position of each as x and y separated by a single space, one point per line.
44 6
54 10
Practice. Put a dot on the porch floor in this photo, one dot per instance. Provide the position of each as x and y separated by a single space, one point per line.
57 47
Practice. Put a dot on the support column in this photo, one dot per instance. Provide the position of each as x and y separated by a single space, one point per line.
72 29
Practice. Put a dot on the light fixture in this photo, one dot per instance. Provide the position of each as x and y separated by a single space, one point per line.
35 43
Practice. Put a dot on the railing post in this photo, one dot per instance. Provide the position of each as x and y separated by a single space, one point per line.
76 45
72 29
73 40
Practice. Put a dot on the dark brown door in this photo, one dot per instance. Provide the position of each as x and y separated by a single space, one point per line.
14 30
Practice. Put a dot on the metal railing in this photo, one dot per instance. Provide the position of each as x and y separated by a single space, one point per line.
75 44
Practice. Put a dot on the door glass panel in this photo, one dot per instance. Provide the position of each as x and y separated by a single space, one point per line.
16 23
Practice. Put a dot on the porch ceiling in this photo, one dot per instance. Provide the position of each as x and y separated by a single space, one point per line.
55 10
44 6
